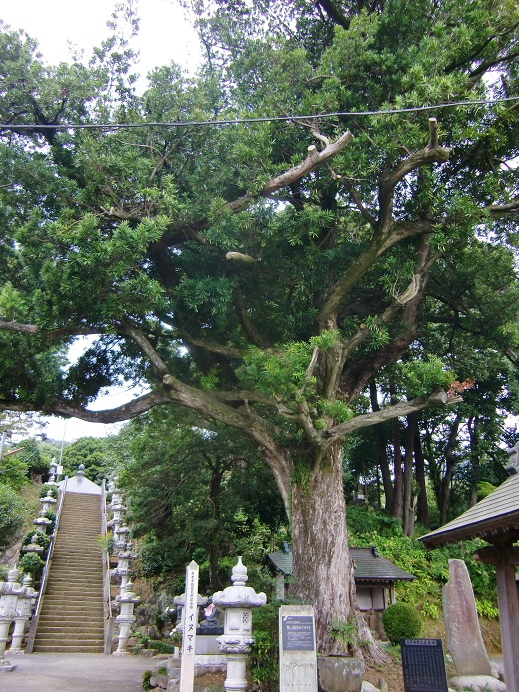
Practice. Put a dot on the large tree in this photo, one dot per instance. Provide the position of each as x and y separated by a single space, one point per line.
237 275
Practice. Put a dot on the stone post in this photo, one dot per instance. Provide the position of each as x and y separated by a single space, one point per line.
126 618
9 592
237 602
24 611
52 474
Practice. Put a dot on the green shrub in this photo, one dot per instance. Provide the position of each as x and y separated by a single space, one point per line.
41 539
31 563
401 620
12 514
45 488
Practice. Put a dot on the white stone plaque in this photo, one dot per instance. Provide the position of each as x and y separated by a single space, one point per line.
297 654
187 666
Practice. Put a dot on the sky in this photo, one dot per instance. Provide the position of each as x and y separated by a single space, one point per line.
164 35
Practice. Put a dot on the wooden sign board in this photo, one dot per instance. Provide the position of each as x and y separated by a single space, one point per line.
187 666
423 665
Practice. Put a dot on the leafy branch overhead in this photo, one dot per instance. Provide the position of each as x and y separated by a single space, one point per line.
278 276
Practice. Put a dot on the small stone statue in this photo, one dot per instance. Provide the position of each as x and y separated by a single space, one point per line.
210 623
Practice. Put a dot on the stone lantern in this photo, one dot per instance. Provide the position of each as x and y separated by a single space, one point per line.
33 546
237 601
47 503
121 536
123 566
52 474
125 619
23 614
9 592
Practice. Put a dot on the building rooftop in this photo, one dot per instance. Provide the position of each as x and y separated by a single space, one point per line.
369 565
495 518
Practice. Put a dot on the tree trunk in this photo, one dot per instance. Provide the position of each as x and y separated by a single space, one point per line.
408 515
213 550
450 465
473 429
322 565
383 460
422 508
398 497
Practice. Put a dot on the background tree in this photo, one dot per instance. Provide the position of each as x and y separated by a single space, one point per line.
193 488
244 280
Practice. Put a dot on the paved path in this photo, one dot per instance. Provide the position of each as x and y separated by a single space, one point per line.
75 673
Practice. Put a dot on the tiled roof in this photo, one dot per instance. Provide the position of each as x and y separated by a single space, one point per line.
496 515
368 566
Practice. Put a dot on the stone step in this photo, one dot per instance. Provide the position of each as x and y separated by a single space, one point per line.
75 631
52 619
68 648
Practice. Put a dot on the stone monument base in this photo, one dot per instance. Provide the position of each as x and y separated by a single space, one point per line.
340 673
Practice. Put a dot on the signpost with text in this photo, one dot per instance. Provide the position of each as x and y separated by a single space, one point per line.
187 666
297 654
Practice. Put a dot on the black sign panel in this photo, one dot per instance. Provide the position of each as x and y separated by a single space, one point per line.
423 665
297 632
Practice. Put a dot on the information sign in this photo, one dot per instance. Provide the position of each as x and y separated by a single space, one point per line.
297 632
423 665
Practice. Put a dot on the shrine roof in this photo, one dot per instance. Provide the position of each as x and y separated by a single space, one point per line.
368 564
495 518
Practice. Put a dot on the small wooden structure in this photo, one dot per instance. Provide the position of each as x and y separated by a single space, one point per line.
375 579
496 520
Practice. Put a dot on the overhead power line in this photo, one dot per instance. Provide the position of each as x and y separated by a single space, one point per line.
248 121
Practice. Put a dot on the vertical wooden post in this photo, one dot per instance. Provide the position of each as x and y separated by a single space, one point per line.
509 622
187 666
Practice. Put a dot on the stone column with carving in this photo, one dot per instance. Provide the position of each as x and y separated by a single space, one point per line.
237 602
9 592
125 619
24 612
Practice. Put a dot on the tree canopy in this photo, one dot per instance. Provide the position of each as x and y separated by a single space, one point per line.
264 274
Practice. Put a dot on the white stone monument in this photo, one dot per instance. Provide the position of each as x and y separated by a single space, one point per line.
297 651
190 618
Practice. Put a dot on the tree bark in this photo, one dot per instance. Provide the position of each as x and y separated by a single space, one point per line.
450 466
383 460
322 564
398 497
422 508
408 515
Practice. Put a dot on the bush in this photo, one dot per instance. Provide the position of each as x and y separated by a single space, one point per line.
31 563
41 539
401 620
12 514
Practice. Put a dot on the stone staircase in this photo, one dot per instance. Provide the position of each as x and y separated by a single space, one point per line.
71 618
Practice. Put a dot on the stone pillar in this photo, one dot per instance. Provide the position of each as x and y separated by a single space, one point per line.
123 566
126 618
24 611
9 592
237 601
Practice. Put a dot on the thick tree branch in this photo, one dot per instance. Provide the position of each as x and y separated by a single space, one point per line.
314 159
431 154
403 408
70 409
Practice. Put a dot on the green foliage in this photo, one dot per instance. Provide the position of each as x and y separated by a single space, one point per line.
401 620
12 514
347 633
484 488
146 677
43 540
424 377
31 564
264 656
106 543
